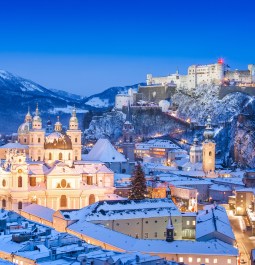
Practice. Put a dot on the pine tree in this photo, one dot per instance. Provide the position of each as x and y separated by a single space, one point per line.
138 184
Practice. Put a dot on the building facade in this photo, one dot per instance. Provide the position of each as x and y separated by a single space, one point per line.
52 174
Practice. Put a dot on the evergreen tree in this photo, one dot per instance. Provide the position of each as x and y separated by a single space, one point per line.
138 184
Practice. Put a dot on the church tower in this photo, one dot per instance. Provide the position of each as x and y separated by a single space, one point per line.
24 128
36 138
128 132
170 230
208 148
75 135
195 153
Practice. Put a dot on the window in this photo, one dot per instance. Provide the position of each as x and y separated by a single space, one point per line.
19 205
156 234
76 140
164 234
187 222
39 140
39 158
50 156
32 181
146 235
210 153
3 182
89 180
206 260
63 201
198 260
25 140
63 183
3 203
76 158
190 259
146 222
60 156
229 261
194 222
69 156
215 261
156 221
20 182
180 259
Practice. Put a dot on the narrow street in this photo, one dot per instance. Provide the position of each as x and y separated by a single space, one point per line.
245 241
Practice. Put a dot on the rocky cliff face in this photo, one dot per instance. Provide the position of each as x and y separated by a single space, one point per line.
233 115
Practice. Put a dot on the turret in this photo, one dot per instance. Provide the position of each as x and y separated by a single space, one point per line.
58 126
169 230
195 152
73 123
37 121
28 117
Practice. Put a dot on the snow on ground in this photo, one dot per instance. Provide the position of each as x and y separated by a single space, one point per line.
67 110
97 102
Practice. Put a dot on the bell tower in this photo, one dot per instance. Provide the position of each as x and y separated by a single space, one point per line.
128 132
208 148
75 135
36 138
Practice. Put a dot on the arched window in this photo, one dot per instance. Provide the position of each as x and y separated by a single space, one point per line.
19 205
69 156
92 199
25 140
125 138
50 156
63 183
3 182
3 203
60 156
63 201
20 182
210 153
39 140
130 139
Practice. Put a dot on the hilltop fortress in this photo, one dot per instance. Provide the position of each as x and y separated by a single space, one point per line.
163 87
217 73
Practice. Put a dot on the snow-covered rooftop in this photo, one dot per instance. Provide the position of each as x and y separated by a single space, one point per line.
214 220
104 151
124 242
14 146
40 211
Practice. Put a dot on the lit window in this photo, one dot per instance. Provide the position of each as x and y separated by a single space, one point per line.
229 261
187 222
146 235
180 259
206 260
198 260
215 261
190 259
194 222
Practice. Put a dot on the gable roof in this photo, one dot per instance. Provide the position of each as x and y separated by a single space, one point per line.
104 151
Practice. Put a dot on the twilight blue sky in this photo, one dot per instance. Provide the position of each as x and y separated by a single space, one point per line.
85 46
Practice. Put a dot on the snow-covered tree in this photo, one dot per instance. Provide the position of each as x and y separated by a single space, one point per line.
138 184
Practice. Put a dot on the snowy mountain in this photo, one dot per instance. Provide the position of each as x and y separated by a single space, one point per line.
17 94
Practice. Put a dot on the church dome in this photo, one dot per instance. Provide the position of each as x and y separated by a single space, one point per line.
57 140
24 128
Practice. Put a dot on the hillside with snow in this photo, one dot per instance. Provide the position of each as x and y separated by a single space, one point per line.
17 94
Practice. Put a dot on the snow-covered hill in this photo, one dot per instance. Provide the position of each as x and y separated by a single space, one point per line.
17 94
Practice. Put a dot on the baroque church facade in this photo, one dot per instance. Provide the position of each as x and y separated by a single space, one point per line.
49 171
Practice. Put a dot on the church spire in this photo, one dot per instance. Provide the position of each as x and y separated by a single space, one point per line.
169 230
58 125
28 117
37 110
73 122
